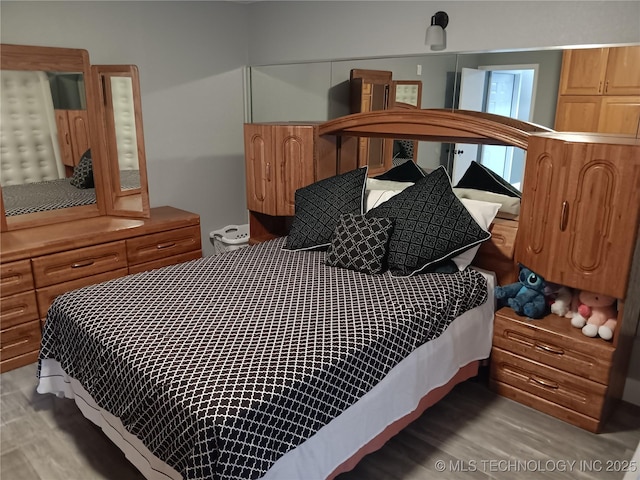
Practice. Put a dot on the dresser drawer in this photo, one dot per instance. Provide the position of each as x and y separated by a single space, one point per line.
18 308
559 387
47 295
554 342
20 339
79 263
15 277
163 244
164 262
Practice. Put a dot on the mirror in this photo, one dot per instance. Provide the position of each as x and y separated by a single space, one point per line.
69 148
123 136
440 75
44 132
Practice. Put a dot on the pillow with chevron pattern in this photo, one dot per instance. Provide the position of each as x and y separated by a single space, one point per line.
360 243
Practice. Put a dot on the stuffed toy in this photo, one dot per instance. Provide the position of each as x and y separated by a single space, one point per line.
596 315
526 296
565 303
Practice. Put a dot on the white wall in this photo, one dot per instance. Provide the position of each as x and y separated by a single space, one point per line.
282 32
191 57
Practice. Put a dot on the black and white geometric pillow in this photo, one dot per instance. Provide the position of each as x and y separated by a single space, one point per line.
360 243
430 225
320 205
405 172
83 173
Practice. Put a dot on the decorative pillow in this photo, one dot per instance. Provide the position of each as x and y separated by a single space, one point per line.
479 177
319 206
430 225
405 172
483 213
83 173
375 184
360 243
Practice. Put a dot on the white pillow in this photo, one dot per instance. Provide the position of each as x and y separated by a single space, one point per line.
375 184
379 191
483 213
507 204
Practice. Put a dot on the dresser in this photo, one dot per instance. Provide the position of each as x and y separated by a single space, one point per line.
40 263
578 227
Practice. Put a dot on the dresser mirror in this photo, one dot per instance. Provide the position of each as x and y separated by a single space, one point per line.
56 139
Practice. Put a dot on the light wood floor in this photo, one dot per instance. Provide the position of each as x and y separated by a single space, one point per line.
472 430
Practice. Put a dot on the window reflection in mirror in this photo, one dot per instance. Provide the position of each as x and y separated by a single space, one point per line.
43 136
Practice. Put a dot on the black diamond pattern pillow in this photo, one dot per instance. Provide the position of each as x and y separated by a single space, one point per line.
405 172
320 205
360 243
83 173
430 225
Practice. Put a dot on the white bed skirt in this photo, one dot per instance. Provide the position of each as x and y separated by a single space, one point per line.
434 364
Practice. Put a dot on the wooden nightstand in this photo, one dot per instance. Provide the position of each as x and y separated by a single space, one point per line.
551 366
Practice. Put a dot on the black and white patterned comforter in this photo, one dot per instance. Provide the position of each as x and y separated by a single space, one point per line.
223 364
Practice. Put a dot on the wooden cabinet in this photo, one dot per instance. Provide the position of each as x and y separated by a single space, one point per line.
578 227
73 136
600 91
40 263
280 159
579 213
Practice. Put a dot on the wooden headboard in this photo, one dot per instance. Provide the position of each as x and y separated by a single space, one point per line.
439 125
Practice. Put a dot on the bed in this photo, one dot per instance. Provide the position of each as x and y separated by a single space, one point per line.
272 361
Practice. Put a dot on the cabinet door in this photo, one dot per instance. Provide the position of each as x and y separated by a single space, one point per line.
583 71
619 115
260 168
580 227
79 128
295 159
578 113
623 71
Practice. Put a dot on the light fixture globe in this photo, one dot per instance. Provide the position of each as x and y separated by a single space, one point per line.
436 36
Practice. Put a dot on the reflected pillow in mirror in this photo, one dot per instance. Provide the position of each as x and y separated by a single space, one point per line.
405 172
83 173
479 177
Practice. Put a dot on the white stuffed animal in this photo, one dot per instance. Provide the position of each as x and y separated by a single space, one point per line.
563 303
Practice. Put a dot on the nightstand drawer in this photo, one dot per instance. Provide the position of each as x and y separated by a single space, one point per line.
15 277
554 342
47 295
79 263
163 244
19 340
560 387
18 308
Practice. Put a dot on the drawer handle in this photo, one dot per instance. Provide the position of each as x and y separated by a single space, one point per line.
160 246
86 263
549 349
544 383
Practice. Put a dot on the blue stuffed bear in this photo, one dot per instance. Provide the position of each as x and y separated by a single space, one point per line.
526 296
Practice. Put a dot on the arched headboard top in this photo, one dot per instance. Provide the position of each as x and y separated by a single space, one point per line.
438 125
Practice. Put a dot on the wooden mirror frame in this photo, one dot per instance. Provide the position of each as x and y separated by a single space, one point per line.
109 201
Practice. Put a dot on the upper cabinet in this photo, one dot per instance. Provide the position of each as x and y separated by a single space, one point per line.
56 111
600 91
580 210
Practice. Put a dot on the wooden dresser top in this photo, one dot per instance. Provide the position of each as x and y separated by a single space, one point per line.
35 241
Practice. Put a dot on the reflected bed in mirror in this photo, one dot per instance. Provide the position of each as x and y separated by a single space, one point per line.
43 136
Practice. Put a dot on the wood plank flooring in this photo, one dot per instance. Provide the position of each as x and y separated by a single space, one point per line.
477 434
